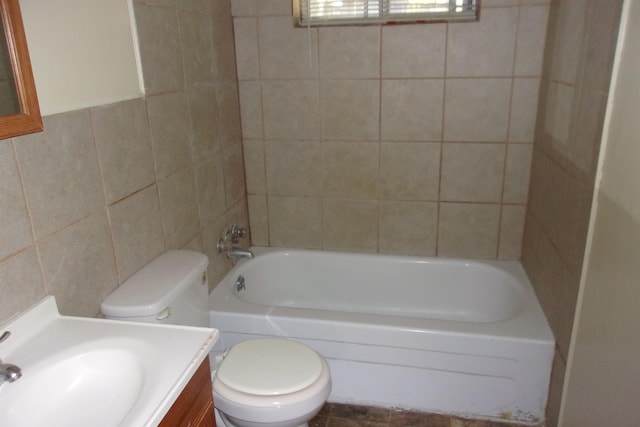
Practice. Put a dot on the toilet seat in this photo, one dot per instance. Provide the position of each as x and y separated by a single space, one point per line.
270 367
289 395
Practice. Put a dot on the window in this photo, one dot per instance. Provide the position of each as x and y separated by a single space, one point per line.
341 12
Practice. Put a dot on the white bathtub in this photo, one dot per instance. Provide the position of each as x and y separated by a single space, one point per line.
431 334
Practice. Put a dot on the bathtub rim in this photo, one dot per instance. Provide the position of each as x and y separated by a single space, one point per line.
529 325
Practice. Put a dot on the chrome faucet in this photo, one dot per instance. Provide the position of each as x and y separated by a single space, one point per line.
236 253
232 235
8 372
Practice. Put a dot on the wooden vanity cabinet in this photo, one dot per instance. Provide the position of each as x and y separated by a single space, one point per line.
194 406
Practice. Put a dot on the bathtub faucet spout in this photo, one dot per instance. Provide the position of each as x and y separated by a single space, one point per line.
235 253
232 235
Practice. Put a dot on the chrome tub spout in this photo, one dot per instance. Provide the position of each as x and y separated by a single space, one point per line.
236 253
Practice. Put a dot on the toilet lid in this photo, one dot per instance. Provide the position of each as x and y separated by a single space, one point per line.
270 366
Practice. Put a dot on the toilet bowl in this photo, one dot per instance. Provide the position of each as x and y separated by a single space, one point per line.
270 382
265 382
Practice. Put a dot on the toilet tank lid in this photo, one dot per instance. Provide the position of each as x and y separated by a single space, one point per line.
156 285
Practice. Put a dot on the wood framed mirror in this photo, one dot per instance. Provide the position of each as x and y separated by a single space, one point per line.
19 109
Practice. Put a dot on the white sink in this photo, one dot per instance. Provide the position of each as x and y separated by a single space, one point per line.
109 380
78 371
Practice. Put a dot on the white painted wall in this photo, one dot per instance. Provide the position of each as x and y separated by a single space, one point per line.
603 373
83 52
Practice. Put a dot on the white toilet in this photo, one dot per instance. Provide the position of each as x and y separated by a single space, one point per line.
267 382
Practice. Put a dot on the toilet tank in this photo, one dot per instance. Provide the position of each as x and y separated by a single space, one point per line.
172 289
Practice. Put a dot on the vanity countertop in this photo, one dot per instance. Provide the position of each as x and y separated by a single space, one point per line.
99 372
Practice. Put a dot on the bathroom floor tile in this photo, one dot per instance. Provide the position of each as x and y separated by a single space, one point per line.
411 419
342 415
353 412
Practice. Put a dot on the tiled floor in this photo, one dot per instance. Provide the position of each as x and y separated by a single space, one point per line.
340 415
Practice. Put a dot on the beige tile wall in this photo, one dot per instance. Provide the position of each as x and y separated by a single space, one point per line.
577 69
409 139
103 191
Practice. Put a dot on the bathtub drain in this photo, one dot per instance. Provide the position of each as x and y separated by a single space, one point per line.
240 283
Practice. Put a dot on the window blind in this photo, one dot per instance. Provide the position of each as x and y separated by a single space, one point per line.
343 12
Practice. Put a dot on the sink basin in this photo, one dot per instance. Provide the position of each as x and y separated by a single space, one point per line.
107 380
98 372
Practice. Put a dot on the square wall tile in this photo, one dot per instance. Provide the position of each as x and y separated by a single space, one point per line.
233 167
589 119
558 116
349 52
350 169
499 3
564 59
160 48
79 267
21 283
412 110
254 165
294 168
575 212
286 52
295 222
275 7
51 163
161 3
511 231
291 109
350 225
211 193
259 220
243 7
196 32
124 147
409 171
170 132
136 228
485 48
350 109
247 52
546 198
517 173
472 172
203 111
524 109
468 230
477 110
250 94
201 6
228 129
179 208
15 227
532 33
600 40
408 228
224 53
414 51
559 296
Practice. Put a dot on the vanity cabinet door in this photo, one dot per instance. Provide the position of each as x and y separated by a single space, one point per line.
194 406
